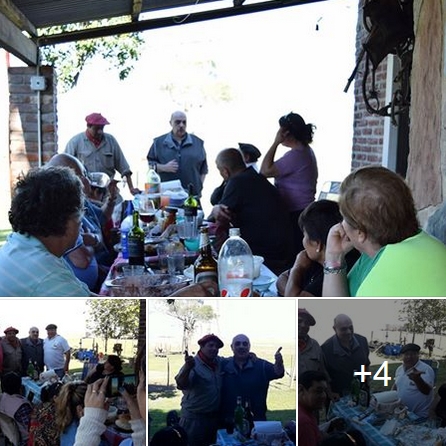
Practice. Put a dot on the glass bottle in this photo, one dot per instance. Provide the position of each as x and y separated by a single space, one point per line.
135 241
364 394
239 415
152 185
30 369
354 388
205 267
249 416
190 207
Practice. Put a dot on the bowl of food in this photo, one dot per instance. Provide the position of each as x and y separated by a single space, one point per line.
147 285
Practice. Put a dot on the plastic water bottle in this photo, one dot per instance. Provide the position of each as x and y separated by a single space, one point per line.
235 266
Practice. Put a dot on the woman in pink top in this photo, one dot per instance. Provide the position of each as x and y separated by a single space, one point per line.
295 173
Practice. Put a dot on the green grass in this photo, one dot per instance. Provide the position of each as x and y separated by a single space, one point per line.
163 395
3 234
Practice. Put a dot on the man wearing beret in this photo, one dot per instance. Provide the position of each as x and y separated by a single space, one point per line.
414 381
345 352
99 151
12 351
310 352
200 381
56 351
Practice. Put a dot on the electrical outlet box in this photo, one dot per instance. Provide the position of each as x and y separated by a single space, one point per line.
38 83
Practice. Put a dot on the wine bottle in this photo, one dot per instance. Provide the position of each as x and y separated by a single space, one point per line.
135 240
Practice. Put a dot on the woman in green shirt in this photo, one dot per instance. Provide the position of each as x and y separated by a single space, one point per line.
380 221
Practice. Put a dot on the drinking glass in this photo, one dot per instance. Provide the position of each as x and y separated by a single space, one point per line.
147 211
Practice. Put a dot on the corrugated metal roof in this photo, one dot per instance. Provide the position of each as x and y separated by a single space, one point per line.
46 13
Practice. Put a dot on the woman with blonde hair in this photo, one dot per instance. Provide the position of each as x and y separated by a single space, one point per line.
69 411
380 220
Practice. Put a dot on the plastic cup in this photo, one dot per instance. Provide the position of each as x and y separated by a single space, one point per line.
175 263
161 250
133 270
258 260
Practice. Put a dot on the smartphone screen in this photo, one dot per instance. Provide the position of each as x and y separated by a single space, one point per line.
117 382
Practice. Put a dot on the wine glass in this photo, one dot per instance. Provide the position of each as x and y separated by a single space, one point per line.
147 211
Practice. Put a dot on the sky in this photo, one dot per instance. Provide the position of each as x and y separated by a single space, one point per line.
68 314
267 321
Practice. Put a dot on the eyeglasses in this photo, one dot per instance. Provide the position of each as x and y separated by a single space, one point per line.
179 121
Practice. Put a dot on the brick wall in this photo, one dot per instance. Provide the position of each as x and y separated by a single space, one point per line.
368 129
23 119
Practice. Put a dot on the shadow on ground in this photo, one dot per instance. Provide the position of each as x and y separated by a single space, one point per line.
159 391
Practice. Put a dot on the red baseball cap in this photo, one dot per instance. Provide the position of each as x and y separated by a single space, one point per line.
96 119
210 337
304 313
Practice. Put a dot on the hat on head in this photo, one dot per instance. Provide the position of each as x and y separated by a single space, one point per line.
11 329
210 337
304 313
51 327
410 348
250 149
96 119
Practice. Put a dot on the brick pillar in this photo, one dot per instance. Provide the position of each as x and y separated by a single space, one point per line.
368 129
25 105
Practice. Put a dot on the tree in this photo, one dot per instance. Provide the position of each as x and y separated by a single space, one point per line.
69 59
113 318
190 313
423 315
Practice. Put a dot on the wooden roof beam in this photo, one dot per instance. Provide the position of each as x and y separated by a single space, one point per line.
15 42
10 11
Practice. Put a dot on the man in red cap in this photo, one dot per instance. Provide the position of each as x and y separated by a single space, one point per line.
200 381
99 151
12 351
